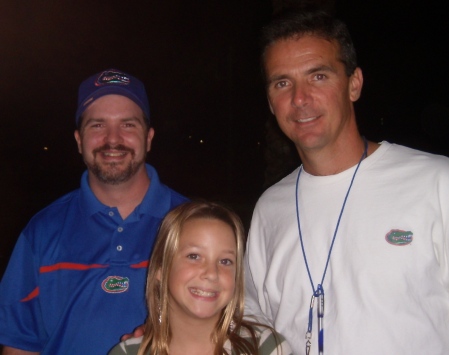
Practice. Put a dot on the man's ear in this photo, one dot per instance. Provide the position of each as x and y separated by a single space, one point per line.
355 84
78 141
269 105
150 137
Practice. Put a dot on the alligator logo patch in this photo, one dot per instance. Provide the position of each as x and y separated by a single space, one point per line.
399 237
115 284
112 77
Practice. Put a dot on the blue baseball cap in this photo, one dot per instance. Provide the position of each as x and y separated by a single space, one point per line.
109 82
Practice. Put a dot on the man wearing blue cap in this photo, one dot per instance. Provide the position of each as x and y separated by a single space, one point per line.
79 266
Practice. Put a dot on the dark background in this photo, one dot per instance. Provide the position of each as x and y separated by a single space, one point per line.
215 137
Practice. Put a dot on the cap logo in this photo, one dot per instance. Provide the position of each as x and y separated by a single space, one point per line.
112 77
115 284
399 237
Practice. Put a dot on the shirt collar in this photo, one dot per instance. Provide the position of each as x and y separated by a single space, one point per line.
156 201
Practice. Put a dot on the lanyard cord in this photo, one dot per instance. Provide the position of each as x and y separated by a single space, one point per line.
319 290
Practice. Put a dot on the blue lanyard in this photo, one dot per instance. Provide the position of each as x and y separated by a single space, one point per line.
318 292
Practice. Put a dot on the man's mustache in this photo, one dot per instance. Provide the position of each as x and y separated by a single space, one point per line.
119 147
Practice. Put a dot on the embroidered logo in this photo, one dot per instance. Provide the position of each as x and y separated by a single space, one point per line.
115 284
399 237
112 77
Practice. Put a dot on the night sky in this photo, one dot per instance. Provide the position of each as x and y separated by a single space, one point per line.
199 62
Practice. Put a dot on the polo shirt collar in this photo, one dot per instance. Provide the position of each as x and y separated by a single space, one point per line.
156 192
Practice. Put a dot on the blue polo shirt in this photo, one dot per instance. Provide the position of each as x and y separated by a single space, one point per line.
75 282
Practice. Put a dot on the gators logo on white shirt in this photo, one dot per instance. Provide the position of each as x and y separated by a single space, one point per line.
399 237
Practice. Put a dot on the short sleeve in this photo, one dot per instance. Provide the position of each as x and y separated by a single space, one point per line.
21 324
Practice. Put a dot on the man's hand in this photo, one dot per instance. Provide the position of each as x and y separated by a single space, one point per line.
138 332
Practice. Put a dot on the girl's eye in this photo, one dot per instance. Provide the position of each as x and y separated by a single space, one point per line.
193 256
226 262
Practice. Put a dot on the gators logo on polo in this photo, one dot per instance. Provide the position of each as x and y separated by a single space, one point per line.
399 237
115 284
112 77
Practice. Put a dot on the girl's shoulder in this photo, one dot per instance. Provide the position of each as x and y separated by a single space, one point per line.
270 341
127 347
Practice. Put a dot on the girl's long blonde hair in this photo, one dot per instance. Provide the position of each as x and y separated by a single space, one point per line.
157 334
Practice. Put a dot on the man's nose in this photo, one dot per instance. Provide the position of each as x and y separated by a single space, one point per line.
301 96
113 135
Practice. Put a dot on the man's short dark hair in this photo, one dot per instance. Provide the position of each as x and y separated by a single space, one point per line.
294 25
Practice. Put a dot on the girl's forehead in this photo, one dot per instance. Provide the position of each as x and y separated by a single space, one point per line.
207 232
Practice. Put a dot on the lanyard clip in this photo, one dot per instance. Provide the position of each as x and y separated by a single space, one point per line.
308 342
309 326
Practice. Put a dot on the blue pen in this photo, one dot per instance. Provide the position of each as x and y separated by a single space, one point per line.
320 311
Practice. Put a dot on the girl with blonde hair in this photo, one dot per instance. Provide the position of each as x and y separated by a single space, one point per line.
195 290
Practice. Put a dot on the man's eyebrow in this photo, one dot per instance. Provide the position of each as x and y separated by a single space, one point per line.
93 119
276 78
321 68
124 119
132 118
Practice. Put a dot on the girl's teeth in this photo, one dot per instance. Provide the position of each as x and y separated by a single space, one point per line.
202 293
